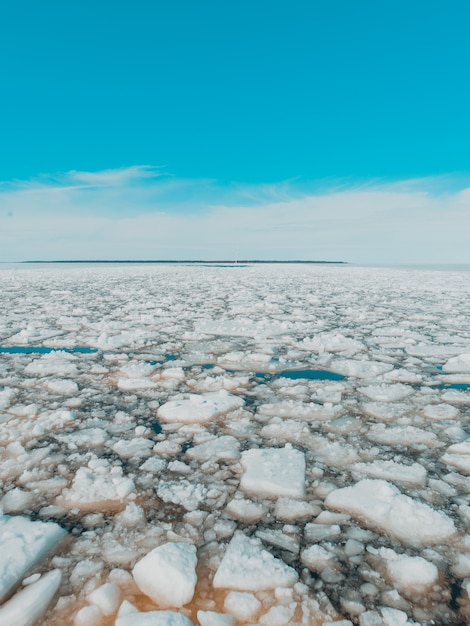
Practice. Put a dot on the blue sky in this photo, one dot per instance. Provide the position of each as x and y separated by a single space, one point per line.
134 111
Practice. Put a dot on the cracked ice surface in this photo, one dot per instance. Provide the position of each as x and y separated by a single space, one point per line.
300 500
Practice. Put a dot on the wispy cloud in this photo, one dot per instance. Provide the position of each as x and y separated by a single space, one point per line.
141 212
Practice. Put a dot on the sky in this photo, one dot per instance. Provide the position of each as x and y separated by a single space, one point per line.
291 129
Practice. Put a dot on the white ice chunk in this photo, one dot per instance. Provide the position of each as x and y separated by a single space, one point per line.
154 618
135 384
30 604
440 412
167 574
138 369
316 558
247 566
63 387
274 472
458 455
414 474
387 393
458 364
225 448
23 544
401 435
137 447
211 618
52 364
6 397
386 508
199 408
242 605
359 369
246 510
107 598
182 492
409 573
331 342
278 616
96 484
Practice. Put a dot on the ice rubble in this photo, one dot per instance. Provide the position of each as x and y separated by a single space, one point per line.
320 496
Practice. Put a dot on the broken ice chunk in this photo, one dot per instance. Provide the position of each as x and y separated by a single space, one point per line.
22 544
243 606
200 409
359 369
384 506
247 566
274 472
458 364
167 574
210 618
30 604
409 573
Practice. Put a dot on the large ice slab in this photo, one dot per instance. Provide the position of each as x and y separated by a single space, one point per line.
30 604
359 369
23 543
458 365
386 508
247 566
274 472
199 408
167 574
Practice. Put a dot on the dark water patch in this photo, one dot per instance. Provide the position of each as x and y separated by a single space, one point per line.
44 350
311 375
156 427
207 366
293 374
170 357
462 386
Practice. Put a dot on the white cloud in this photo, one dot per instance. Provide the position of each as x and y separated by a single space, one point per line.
139 213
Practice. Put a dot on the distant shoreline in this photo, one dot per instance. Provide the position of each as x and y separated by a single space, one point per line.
197 262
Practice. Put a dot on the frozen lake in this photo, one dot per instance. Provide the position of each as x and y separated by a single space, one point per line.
281 444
